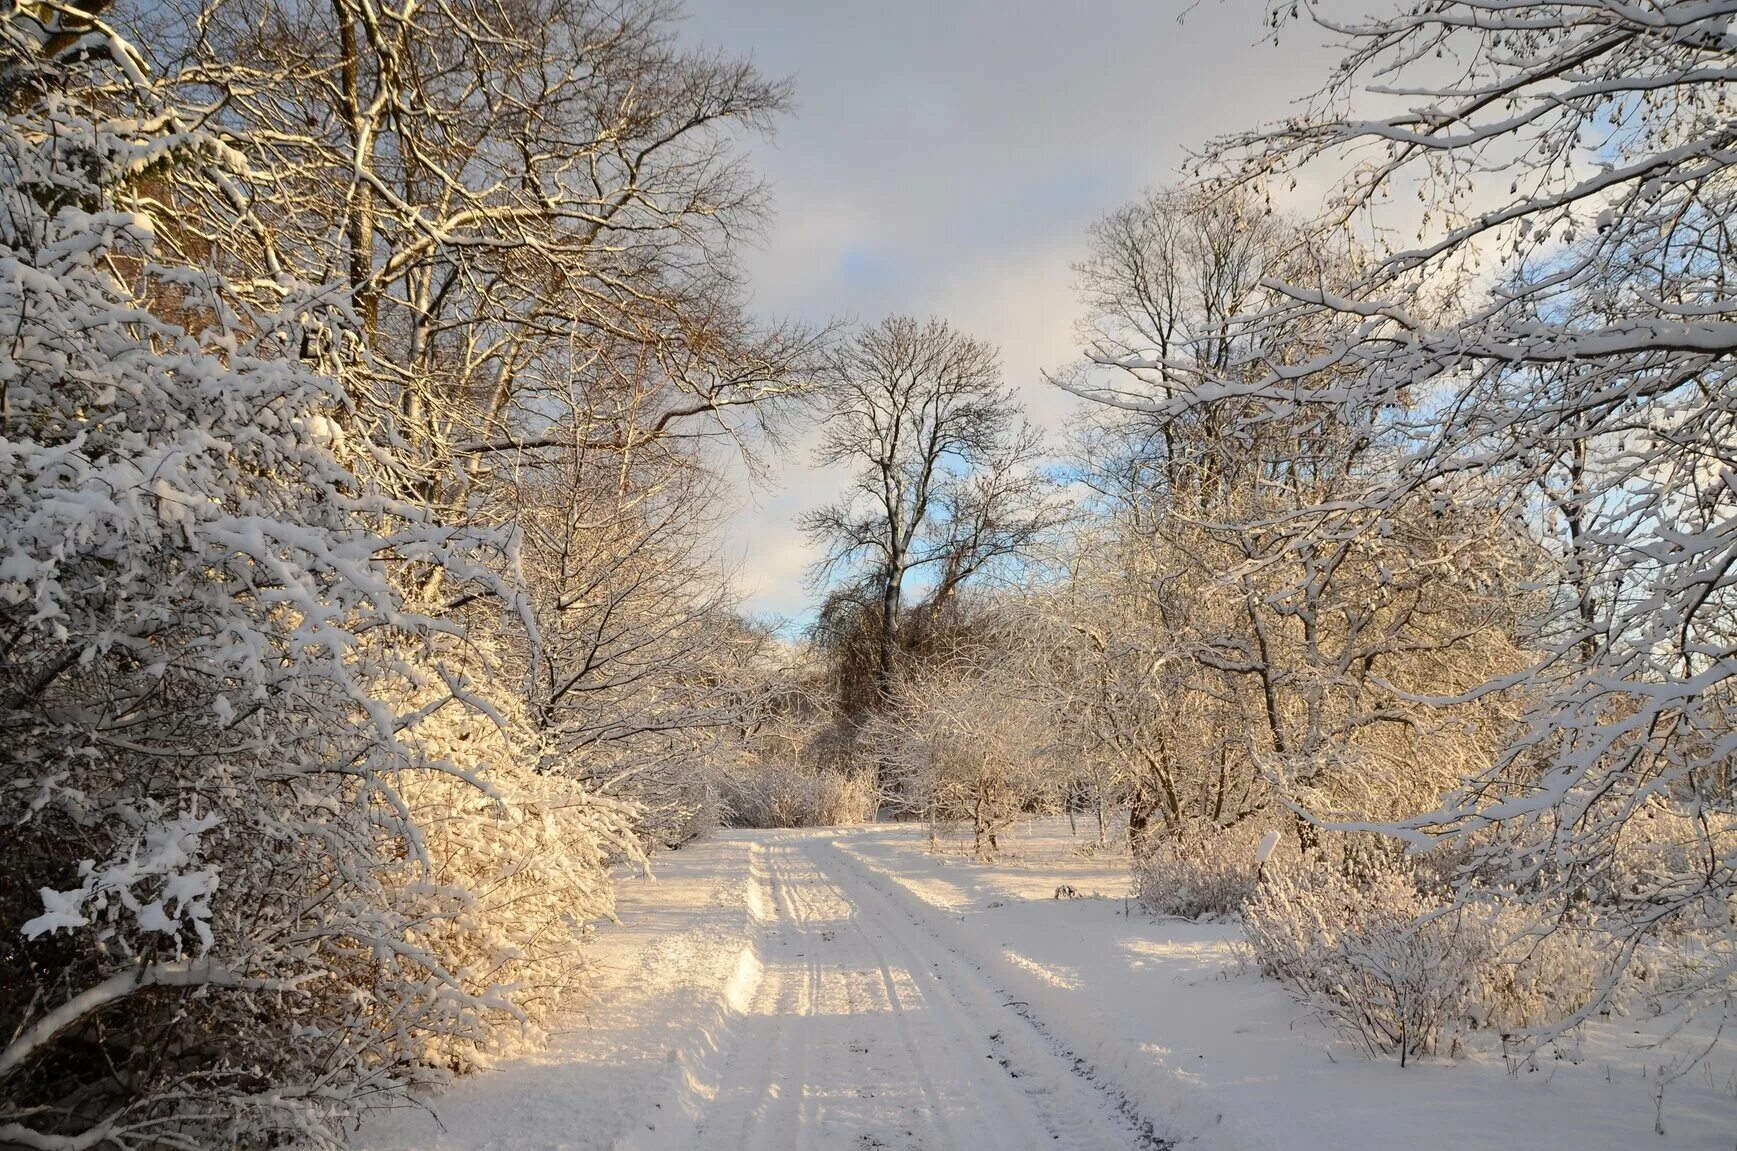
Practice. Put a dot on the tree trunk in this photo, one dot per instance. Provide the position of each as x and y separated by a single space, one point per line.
1140 818
887 652
977 826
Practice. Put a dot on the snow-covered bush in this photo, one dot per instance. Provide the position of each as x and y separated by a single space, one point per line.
1407 971
1383 963
516 872
783 795
1196 875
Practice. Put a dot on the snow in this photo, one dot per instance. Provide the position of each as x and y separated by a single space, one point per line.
165 852
847 988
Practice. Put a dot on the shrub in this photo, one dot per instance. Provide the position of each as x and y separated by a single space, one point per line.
1381 964
513 878
783 795
1195 877
1405 971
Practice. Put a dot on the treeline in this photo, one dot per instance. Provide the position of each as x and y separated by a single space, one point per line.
356 611
1400 533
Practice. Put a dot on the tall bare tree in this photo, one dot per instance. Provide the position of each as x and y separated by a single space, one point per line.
947 481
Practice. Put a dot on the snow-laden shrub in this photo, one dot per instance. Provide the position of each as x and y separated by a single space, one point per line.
1406 971
1665 840
1195 876
784 795
516 873
1382 963
1544 972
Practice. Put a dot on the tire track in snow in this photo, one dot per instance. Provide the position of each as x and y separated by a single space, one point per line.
1143 1131
1013 1115
764 1100
864 1033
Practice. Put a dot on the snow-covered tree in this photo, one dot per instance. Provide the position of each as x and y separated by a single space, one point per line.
536 208
635 681
1574 161
965 743
1225 662
275 845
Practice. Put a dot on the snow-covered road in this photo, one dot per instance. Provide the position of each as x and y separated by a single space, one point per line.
865 1033
841 1020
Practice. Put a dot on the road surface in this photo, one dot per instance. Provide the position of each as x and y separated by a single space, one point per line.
865 1031
770 990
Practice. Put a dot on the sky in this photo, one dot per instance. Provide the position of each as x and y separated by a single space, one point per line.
946 157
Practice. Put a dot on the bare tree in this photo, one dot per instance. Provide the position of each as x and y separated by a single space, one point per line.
947 481
533 203
1166 280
